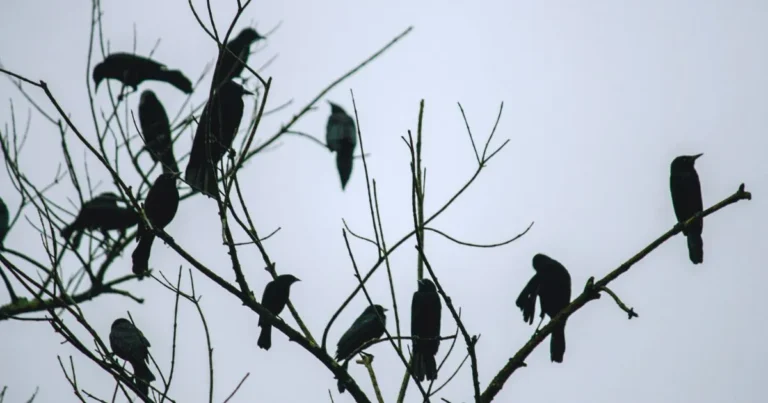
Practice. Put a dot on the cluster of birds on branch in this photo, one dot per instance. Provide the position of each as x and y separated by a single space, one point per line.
551 284
215 133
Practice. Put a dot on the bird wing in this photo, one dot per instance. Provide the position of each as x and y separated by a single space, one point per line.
425 320
365 327
526 301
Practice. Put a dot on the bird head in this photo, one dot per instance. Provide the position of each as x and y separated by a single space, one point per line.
371 309
539 261
287 279
427 285
249 35
231 88
99 74
336 108
685 161
148 96
121 323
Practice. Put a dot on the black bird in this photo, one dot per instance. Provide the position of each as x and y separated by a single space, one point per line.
129 343
686 199
229 67
552 284
214 136
4 222
366 327
157 131
425 324
100 213
132 70
161 205
274 300
341 137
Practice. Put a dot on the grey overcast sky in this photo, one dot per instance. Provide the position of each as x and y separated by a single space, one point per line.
599 96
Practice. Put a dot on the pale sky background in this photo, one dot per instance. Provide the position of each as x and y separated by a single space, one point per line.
599 96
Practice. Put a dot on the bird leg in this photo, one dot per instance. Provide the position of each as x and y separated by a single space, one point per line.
535 332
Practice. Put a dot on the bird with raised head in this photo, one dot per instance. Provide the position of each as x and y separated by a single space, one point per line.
275 297
686 200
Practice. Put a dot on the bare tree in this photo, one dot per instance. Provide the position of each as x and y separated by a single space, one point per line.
43 288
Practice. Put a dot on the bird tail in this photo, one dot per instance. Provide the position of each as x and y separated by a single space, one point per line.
265 338
202 178
695 248
141 254
424 366
143 376
177 79
344 165
557 343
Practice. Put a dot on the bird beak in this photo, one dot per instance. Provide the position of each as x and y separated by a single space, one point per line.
385 309
697 156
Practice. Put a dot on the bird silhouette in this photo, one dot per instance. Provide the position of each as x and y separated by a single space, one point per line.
100 213
552 285
228 67
4 222
686 200
132 70
341 138
161 205
425 324
366 327
214 136
275 297
157 131
129 343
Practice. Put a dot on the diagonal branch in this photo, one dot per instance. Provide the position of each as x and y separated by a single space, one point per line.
518 359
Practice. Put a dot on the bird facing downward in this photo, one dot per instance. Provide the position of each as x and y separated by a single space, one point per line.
341 138
275 297
686 199
552 285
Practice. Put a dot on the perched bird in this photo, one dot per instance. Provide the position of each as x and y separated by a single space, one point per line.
425 324
274 300
686 199
366 327
215 133
129 343
4 222
161 205
100 213
341 137
229 67
132 70
157 131
552 284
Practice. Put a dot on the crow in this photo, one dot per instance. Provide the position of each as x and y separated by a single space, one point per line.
215 133
275 298
229 67
341 137
686 200
366 327
157 131
370 325
425 324
129 343
552 284
100 213
161 205
132 70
